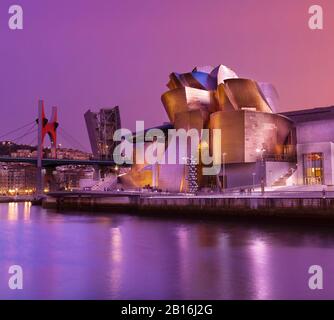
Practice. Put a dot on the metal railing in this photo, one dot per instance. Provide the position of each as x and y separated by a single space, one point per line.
280 157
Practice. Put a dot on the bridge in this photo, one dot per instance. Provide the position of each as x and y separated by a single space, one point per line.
40 129
59 162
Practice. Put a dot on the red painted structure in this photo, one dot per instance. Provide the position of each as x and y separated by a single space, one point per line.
45 127
49 128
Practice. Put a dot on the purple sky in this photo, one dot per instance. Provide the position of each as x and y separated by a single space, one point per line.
82 54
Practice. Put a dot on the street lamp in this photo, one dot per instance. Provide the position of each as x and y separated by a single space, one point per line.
224 171
270 178
254 174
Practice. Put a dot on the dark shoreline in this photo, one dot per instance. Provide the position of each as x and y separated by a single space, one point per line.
16 199
315 210
246 219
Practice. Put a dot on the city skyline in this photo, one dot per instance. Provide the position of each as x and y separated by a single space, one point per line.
118 53
158 152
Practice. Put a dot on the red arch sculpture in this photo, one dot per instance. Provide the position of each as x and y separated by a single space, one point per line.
48 128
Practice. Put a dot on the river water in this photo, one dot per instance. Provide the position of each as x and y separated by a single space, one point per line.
104 256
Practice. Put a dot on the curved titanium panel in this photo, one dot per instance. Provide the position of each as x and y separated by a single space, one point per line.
270 94
223 100
205 69
174 101
190 81
244 94
197 80
187 99
195 119
231 124
222 73
207 81
175 81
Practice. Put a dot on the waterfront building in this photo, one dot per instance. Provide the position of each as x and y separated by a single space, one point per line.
315 145
18 178
101 127
257 143
70 177
3 180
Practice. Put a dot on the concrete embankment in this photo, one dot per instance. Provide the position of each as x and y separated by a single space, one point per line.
7 199
194 206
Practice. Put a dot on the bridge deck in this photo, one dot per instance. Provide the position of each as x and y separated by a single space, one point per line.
59 162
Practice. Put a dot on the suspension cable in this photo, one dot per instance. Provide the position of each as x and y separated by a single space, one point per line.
31 130
19 140
63 132
17 129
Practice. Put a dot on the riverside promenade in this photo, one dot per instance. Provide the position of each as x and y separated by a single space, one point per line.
287 204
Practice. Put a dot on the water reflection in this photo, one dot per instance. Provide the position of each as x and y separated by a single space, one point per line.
104 256
13 211
182 234
116 261
26 210
260 264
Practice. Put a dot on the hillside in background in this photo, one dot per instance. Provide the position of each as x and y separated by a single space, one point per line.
7 147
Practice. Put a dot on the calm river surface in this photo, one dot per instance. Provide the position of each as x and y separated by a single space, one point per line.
81 256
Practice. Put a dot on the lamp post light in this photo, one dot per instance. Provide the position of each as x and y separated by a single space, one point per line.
270 178
254 174
224 171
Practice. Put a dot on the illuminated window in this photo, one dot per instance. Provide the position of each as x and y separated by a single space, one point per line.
313 168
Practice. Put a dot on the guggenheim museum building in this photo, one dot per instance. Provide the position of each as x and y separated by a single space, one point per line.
259 144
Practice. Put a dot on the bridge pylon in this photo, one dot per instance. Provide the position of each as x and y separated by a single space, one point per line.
45 127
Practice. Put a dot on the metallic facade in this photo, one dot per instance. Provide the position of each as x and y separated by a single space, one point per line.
243 109
248 135
215 98
245 94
